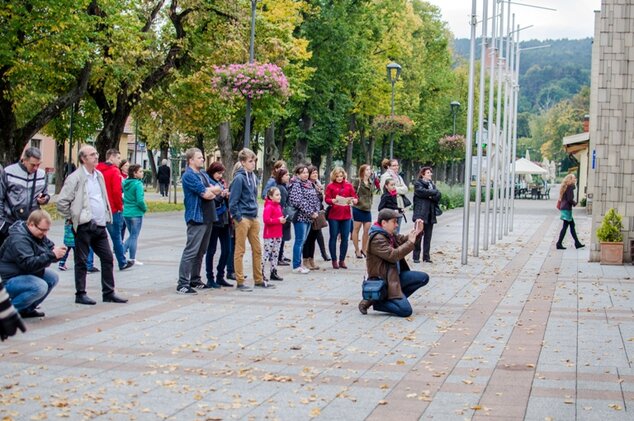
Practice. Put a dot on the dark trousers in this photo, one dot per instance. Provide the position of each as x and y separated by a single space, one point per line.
308 252
410 281
93 236
192 258
573 232
217 234
425 236
164 188
232 251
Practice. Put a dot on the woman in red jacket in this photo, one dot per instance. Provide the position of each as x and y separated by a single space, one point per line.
340 196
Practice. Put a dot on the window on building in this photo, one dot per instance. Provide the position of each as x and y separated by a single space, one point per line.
36 143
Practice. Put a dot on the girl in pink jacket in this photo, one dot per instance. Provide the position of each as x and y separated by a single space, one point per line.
274 221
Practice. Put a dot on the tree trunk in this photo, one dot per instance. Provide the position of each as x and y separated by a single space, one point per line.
225 145
60 163
271 154
152 161
301 146
13 139
352 128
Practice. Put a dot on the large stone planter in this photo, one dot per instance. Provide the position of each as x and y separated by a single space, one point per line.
611 253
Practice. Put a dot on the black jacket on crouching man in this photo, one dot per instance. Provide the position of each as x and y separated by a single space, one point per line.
24 254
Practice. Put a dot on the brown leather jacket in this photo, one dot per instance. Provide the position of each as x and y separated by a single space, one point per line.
384 251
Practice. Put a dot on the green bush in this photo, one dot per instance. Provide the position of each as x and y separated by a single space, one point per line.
152 207
453 196
610 229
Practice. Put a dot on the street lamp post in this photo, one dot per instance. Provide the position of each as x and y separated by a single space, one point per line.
393 73
247 118
455 106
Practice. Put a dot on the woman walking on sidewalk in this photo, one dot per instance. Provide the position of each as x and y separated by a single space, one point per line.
566 203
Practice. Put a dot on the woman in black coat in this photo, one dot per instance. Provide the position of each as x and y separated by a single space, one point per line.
426 199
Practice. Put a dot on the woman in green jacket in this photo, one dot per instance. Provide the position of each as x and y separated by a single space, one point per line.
134 208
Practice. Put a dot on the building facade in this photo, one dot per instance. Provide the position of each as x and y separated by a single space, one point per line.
611 175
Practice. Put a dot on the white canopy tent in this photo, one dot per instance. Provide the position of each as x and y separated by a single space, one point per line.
524 166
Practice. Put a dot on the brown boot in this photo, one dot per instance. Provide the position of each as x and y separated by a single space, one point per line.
342 264
306 263
312 264
364 305
335 264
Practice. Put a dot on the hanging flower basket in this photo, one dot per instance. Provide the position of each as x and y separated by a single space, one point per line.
251 81
452 143
399 124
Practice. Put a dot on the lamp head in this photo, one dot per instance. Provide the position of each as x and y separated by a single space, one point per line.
455 105
393 71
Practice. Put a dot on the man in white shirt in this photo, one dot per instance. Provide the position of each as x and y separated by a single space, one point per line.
84 201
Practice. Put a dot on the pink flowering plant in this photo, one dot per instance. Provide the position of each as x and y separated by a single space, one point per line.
399 125
452 145
252 81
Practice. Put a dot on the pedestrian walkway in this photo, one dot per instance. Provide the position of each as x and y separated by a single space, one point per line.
524 331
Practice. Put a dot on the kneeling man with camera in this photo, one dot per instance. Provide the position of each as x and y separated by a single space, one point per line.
24 259
386 260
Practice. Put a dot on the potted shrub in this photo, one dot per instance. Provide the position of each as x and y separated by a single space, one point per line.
611 238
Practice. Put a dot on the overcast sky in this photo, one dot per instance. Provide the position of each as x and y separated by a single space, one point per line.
573 19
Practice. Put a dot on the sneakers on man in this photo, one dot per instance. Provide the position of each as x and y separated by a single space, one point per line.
200 286
186 291
302 270
244 288
136 262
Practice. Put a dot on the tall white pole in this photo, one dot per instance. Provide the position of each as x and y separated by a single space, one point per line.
516 88
498 140
469 140
478 178
490 130
505 151
509 121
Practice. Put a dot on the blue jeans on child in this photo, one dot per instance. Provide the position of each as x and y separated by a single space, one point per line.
28 291
410 281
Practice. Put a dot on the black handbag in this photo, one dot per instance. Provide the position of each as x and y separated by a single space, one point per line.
406 202
374 289
290 212
437 210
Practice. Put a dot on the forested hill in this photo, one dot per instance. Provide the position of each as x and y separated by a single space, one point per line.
547 75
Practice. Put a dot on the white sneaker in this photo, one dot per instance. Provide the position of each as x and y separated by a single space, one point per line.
301 270
136 262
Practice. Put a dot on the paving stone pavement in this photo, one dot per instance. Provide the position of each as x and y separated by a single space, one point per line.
524 331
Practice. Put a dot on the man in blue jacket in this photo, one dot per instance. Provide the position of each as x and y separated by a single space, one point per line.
200 214
24 259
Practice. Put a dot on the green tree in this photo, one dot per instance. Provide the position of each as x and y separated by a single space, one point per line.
46 50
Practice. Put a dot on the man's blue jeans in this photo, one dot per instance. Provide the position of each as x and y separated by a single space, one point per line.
337 227
28 291
114 229
301 232
410 282
134 226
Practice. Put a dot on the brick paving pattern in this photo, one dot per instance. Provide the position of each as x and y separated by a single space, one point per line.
523 332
